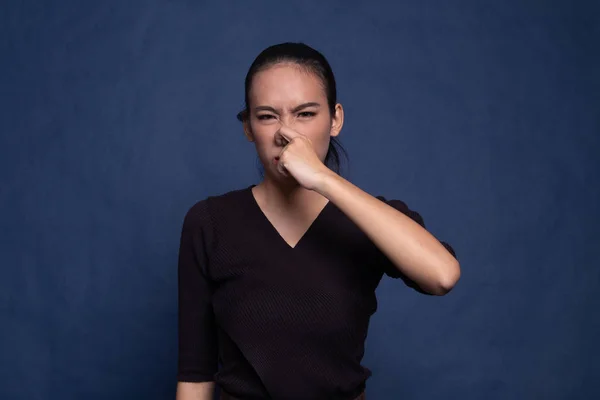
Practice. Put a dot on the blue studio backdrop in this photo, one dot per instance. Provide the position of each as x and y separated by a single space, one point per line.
117 116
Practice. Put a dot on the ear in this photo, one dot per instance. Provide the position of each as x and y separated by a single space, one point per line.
337 120
248 129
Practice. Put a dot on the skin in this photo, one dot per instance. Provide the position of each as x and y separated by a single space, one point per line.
195 390
297 187
287 100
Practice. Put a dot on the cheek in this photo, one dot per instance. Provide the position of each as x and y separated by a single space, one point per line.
263 133
320 132
264 141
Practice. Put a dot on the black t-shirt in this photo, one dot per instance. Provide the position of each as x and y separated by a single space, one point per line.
282 322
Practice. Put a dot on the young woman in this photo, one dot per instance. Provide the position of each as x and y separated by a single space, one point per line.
277 280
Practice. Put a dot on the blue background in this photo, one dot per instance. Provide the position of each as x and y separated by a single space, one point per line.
483 116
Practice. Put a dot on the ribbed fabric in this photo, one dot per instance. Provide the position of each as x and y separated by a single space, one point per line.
226 396
268 321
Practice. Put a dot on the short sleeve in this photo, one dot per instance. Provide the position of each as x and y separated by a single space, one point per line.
198 355
388 267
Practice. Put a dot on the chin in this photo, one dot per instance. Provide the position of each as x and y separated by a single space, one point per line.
289 180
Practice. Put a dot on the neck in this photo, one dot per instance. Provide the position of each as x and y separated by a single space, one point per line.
288 196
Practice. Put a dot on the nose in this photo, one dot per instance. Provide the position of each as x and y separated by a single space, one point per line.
279 138
287 119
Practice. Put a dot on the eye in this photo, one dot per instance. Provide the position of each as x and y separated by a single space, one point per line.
307 114
265 117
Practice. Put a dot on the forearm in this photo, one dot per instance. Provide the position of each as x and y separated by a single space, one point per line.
195 390
410 247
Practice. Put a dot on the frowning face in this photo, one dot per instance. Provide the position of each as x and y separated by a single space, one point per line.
291 95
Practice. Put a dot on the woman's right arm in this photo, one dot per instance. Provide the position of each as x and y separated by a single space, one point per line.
198 355
195 390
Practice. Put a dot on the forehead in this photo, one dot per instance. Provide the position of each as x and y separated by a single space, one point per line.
286 84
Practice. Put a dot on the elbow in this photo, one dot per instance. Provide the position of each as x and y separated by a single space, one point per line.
448 279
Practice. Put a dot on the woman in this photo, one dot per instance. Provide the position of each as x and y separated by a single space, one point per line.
277 280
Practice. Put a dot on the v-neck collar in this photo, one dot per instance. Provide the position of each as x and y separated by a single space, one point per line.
274 230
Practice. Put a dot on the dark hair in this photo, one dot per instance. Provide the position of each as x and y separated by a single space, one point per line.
313 61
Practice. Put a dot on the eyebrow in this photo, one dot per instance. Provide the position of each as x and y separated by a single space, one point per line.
296 109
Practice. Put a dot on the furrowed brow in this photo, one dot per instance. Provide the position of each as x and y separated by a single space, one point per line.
266 108
306 105
295 109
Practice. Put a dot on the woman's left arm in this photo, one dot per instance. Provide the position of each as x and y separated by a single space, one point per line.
411 248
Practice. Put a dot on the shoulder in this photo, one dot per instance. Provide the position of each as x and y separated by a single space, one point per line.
202 212
414 215
197 213
403 208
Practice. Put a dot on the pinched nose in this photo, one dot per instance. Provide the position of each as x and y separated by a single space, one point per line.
280 140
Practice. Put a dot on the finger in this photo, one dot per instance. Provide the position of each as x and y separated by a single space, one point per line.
288 133
282 170
282 151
